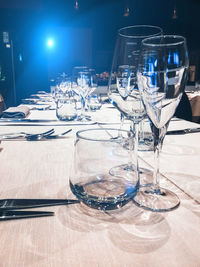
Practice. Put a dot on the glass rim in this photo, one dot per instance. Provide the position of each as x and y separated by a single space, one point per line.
182 40
79 134
140 26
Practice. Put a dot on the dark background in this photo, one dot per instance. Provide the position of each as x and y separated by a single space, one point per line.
83 36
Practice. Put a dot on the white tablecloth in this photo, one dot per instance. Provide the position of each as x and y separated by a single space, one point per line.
80 236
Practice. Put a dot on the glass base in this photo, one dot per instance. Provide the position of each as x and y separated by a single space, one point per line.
106 193
83 118
160 200
63 117
125 170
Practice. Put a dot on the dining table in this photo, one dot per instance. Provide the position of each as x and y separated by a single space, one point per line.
78 235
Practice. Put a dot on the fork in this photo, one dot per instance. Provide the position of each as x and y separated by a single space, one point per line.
24 134
35 137
47 135
57 135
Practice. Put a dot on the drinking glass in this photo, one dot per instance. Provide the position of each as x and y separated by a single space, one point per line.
162 74
123 89
94 102
62 85
83 86
90 179
66 106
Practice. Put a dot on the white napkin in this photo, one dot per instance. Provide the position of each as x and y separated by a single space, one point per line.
16 112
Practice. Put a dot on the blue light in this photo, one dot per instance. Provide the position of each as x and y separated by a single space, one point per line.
20 57
176 58
50 43
169 58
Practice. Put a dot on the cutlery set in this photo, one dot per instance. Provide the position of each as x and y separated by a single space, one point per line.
40 122
33 137
11 209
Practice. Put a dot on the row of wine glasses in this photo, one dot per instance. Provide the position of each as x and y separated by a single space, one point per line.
73 89
148 76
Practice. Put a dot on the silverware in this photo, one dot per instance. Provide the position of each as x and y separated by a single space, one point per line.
26 135
40 122
36 137
184 131
12 135
57 123
13 214
26 120
11 204
57 135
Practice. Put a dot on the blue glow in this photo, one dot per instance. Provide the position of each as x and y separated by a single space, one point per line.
176 58
50 43
169 58
20 57
151 67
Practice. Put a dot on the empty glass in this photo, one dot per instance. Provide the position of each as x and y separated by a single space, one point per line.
94 103
66 104
162 73
96 152
123 89
83 86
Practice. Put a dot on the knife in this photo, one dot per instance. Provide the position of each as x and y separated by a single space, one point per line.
13 214
45 124
11 204
26 120
184 131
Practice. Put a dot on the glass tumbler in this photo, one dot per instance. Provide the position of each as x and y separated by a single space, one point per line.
96 153
66 109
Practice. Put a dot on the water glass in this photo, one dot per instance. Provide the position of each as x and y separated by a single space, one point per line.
94 103
66 106
97 151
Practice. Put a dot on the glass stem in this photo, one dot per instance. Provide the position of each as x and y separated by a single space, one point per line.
121 125
82 105
141 130
134 148
157 147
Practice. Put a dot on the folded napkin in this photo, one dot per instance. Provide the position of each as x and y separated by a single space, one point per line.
16 112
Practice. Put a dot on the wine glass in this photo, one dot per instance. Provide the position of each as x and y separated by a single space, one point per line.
162 74
92 85
123 90
83 86
80 84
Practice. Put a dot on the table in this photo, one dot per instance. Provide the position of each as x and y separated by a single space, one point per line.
80 236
